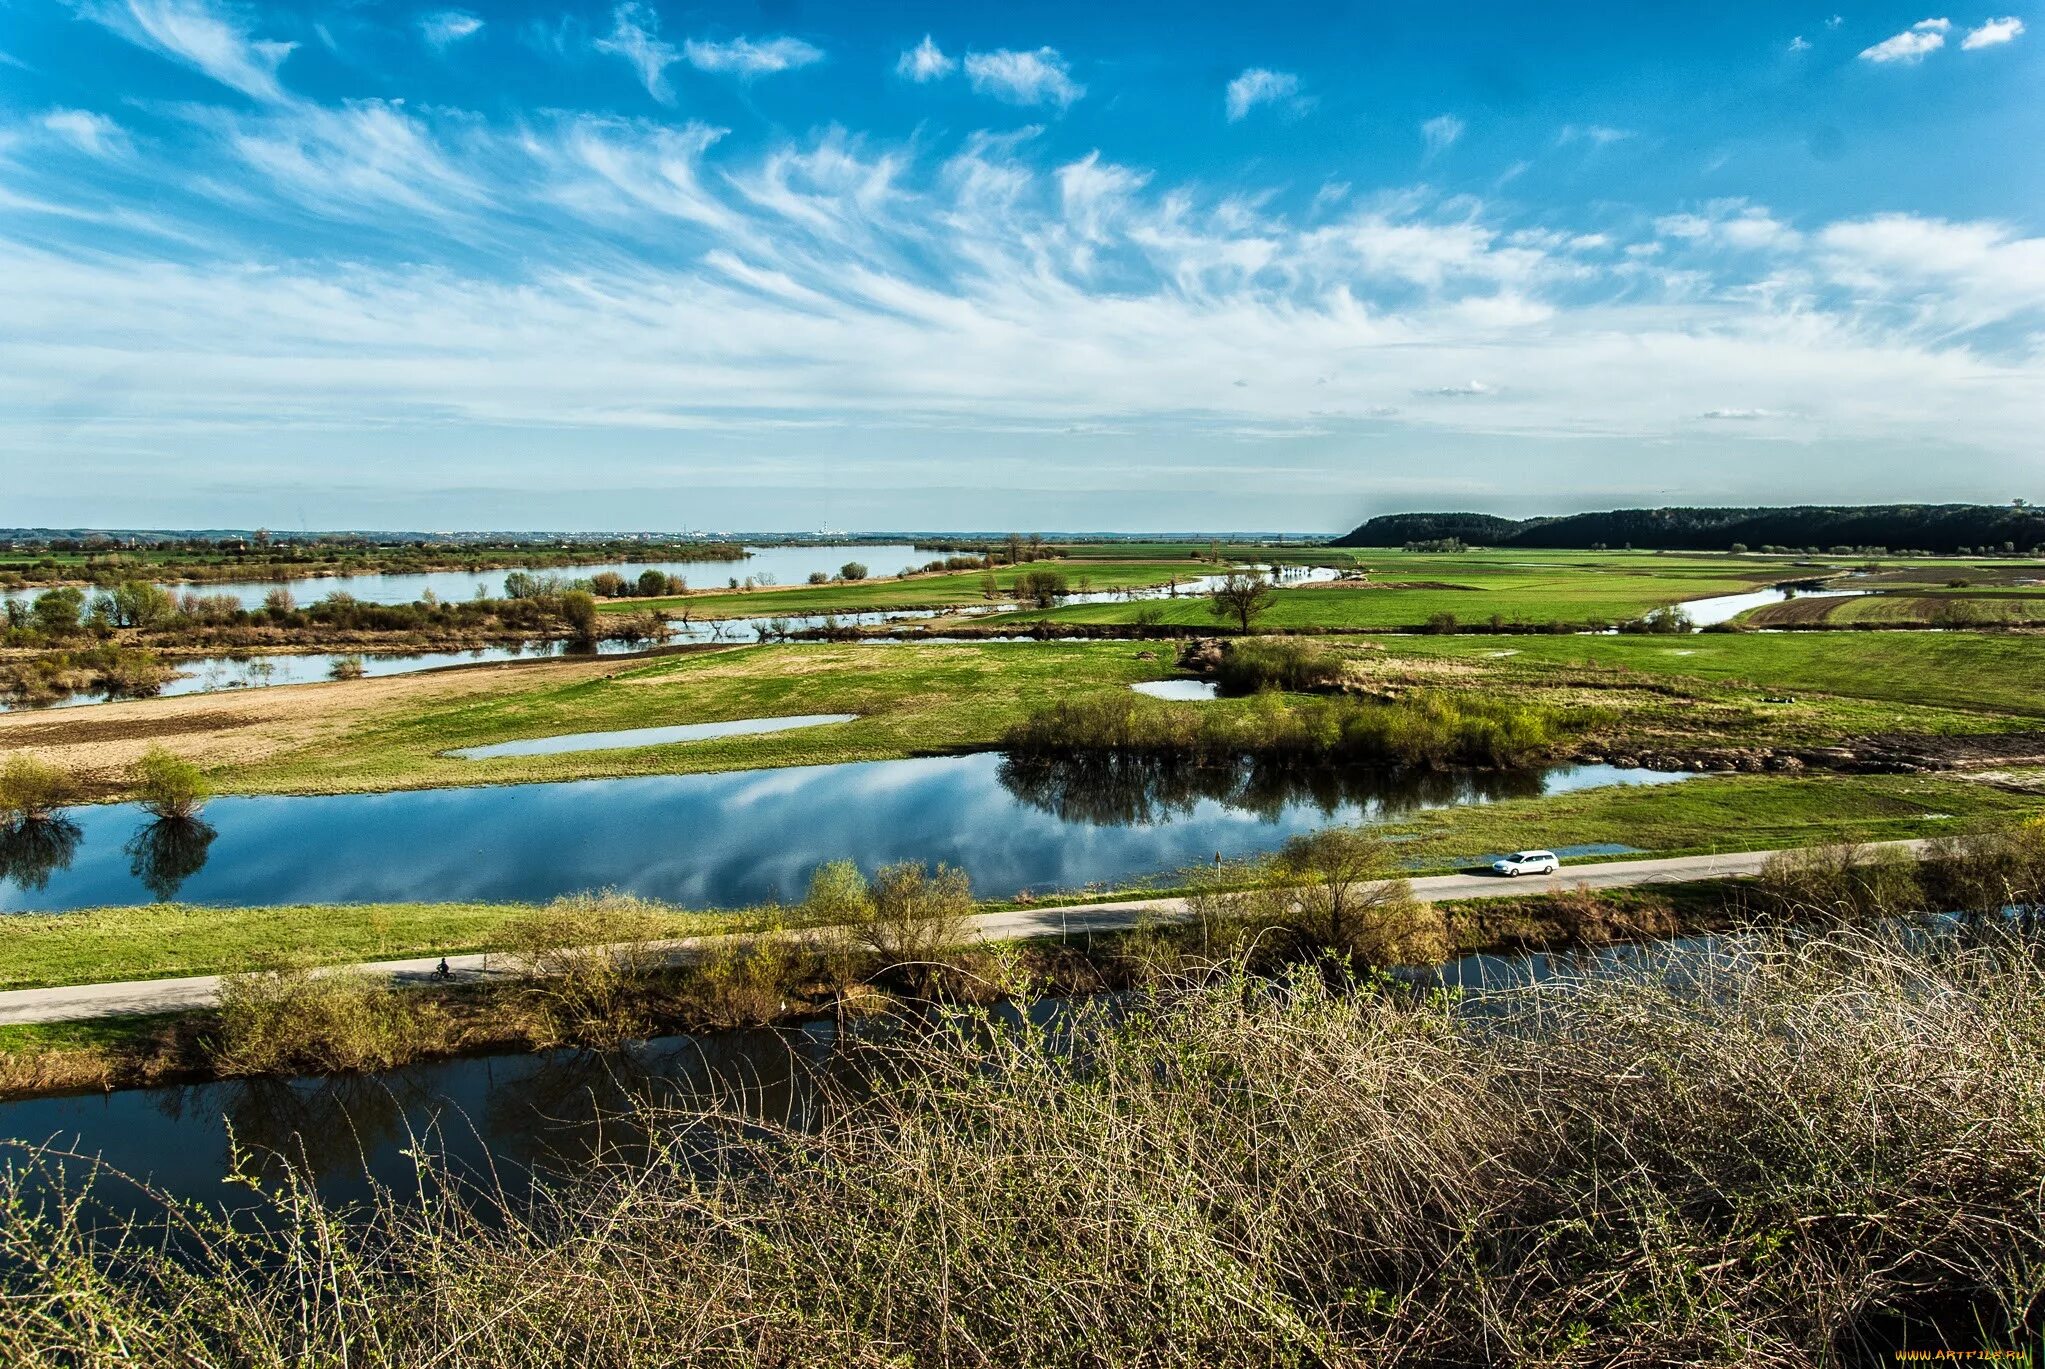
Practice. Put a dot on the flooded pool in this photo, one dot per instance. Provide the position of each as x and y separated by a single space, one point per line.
729 839
648 736
1180 691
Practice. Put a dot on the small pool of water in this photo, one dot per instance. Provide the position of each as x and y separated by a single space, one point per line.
1182 691
648 736
1723 608
730 839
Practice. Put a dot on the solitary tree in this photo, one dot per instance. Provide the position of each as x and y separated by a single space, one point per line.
1241 595
1344 891
853 570
170 786
1042 588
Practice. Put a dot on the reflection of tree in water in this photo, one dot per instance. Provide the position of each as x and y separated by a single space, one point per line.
322 1128
558 1110
168 852
1123 790
30 852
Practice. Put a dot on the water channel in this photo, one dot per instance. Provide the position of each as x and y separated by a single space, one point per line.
730 839
511 1116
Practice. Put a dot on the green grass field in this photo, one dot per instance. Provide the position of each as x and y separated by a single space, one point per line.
918 699
1476 587
911 700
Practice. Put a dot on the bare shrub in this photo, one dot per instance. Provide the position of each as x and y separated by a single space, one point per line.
908 916
588 962
1766 1156
297 1019
1990 872
1846 882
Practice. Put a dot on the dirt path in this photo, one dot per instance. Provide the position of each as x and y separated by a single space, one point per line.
83 1001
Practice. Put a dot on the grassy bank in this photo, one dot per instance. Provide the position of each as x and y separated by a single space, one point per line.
1784 1156
909 701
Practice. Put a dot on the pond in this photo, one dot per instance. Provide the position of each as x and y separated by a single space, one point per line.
729 839
1180 691
628 737
1723 608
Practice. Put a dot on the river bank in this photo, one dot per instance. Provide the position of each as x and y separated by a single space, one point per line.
1808 1148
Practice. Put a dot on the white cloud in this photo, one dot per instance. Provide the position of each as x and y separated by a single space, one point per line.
444 28
1731 223
925 62
1598 135
1993 33
749 57
214 41
1440 133
1913 44
1835 21
582 275
88 132
635 36
1024 78
1799 44
1257 86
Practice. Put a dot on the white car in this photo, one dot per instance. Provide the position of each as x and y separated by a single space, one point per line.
1527 863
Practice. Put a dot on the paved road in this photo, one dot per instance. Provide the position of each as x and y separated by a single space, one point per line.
82 1001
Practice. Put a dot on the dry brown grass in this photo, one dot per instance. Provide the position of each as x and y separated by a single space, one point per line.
1767 1158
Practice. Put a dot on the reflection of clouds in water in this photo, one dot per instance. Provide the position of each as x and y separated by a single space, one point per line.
743 837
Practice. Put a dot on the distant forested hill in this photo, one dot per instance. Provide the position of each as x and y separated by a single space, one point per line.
1895 527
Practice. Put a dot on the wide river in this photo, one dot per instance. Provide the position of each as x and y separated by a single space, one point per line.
781 565
727 840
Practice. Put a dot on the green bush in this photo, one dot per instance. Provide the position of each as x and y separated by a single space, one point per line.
909 917
588 963
32 789
170 786
1423 728
1255 663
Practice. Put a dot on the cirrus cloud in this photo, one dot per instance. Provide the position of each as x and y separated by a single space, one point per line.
1258 86
1024 78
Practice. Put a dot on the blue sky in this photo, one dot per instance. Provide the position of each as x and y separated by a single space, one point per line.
1060 265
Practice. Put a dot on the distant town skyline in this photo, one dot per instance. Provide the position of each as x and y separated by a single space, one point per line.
920 266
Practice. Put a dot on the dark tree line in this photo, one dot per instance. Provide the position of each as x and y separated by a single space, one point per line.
1944 528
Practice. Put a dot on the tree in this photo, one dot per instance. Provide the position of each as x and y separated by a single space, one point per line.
818 577
278 603
56 611
852 570
1042 588
651 582
170 786
136 603
578 609
1241 595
